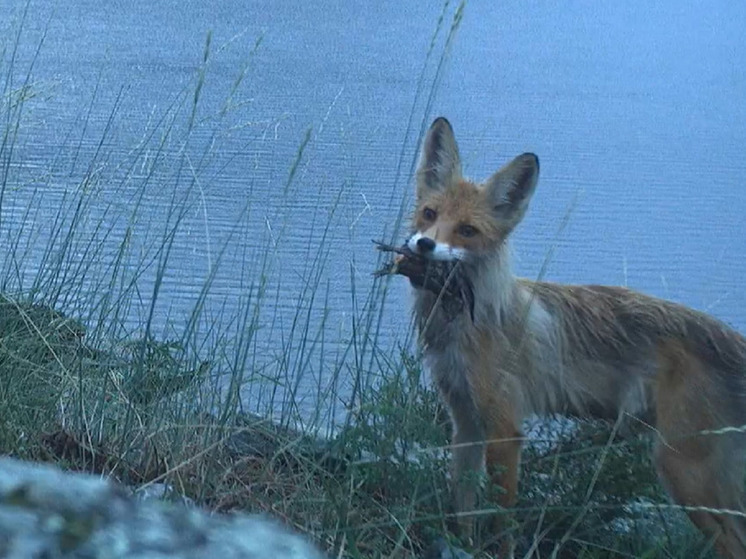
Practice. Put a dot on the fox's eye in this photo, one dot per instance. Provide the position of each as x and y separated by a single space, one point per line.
467 230
429 214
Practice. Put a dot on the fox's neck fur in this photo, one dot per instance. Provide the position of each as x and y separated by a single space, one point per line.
506 312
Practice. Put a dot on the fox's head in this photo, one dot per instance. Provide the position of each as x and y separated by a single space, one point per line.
457 219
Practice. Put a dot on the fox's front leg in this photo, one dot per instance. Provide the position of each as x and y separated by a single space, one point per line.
497 406
467 467
503 456
467 449
485 436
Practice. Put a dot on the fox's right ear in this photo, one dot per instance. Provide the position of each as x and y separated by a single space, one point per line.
440 163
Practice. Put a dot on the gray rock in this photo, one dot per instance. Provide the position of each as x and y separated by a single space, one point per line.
48 513
440 549
160 492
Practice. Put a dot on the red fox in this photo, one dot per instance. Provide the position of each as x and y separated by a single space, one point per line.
533 347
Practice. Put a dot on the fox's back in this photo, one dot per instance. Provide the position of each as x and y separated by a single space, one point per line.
618 324
618 342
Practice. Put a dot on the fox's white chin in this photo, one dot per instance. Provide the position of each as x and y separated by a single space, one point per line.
442 251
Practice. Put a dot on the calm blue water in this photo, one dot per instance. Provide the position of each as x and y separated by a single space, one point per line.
637 113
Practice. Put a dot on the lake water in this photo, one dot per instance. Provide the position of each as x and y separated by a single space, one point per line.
637 113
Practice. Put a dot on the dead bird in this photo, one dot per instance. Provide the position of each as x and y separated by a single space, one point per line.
442 277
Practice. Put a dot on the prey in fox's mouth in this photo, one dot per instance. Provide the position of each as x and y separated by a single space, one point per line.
441 277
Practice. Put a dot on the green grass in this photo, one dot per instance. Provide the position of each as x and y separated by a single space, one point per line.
81 386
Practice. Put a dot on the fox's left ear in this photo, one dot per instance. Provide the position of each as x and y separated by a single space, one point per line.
440 163
512 186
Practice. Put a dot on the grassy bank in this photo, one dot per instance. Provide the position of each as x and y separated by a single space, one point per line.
378 488
92 378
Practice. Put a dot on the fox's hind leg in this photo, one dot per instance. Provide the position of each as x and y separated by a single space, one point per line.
701 471
707 482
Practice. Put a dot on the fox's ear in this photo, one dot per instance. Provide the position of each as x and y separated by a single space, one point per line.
512 186
440 163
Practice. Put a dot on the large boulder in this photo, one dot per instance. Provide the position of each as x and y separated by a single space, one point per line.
46 513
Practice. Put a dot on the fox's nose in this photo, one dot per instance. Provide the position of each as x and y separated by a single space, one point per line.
425 244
